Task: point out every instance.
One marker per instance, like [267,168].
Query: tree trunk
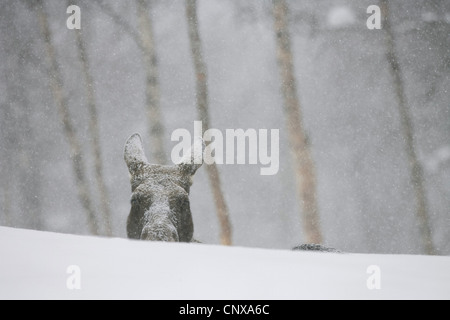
[21,162]
[417,173]
[154,117]
[6,207]
[300,148]
[8,154]
[30,180]
[95,134]
[145,41]
[202,105]
[5,184]
[56,85]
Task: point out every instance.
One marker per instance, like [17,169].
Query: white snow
[438,159]
[341,17]
[430,17]
[34,266]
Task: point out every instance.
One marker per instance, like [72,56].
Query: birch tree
[145,40]
[152,91]
[57,88]
[303,162]
[407,127]
[5,165]
[203,112]
[94,133]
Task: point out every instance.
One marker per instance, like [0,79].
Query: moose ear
[134,153]
[193,159]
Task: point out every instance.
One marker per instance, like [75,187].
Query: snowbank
[34,265]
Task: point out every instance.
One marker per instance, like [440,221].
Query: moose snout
[158,226]
[160,232]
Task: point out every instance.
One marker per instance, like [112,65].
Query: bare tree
[154,116]
[203,111]
[300,147]
[20,159]
[29,173]
[120,21]
[57,88]
[6,207]
[417,172]
[20,163]
[145,40]
[94,133]
[5,165]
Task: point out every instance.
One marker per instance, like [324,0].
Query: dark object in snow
[314,247]
[160,209]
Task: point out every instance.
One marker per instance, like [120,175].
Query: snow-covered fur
[160,209]
[315,247]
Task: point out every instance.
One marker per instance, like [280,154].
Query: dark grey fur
[315,248]
[160,209]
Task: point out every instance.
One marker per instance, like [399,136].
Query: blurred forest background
[375,107]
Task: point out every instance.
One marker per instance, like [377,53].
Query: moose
[160,208]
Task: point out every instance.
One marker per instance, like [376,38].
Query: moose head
[160,208]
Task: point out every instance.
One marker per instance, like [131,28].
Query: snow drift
[35,265]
